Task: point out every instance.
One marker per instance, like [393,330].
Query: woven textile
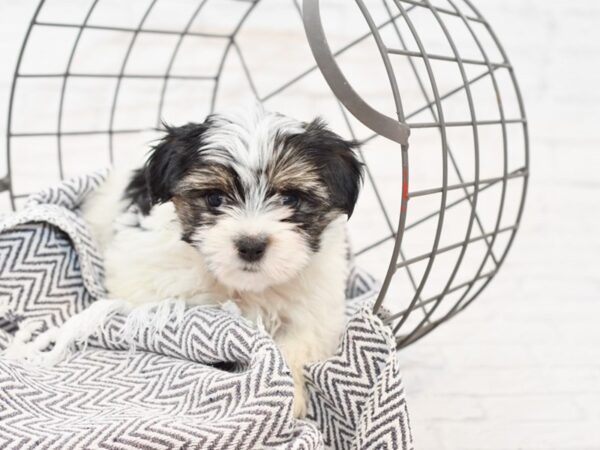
[214,381]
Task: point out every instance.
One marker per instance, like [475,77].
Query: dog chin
[287,255]
[244,280]
[253,278]
[277,268]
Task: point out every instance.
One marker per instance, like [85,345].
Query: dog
[248,207]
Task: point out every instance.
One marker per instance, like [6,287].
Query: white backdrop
[520,368]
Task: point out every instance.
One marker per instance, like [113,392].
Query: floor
[520,369]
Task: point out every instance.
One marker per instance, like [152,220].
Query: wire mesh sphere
[425,85]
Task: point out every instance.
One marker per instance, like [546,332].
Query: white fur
[244,139]
[76,330]
[305,313]
[296,293]
[287,255]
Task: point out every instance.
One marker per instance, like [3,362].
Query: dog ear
[170,159]
[338,164]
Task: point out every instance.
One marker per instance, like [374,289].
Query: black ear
[337,161]
[171,158]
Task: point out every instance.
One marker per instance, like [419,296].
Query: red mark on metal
[404,188]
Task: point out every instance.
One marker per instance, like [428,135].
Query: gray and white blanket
[216,381]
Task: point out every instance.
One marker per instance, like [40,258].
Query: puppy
[245,207]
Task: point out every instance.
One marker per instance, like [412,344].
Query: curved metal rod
[402,225]
[337,53]
[184,32]
[397,250]
[382,124]
[473,116]
[399,234]
[429,107]
[11,103]
[230,44]
[444,193]
[527,163]
[505,175]
[460,305]
[397,126]
[64,87]
[383,52]
[353,103]
[113,108]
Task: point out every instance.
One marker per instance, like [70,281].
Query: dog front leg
[300,345]
[78,328]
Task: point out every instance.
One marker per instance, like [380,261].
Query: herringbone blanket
[216,381]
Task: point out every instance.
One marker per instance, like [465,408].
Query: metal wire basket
[428,73]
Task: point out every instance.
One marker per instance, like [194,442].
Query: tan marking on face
[210,177]
[295,173]
[183,208]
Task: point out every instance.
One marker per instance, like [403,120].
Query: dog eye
[290,199]
[215,199]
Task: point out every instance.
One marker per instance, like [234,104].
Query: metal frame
[397,129]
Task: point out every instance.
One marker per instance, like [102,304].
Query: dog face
[254,192]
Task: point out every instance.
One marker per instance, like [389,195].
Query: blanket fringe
[151,318]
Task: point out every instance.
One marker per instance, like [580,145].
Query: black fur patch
[172,158]
[334,159]
[317,164]
[338,169]
[191,196]
[169,161]
[138,193]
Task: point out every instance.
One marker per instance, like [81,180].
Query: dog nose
[251,248]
